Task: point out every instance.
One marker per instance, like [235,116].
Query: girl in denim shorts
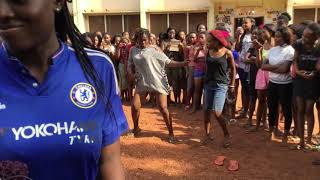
[218,61]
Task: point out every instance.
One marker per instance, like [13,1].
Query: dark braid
[140,32]
[65,27]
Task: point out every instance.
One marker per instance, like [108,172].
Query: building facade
[157,15]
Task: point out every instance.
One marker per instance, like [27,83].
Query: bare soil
[152,157]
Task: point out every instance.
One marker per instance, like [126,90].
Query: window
[96,23]
[178,21]
[318,15]
[131,23]
[158,23]
[114,24]
[301,15]
[195,19]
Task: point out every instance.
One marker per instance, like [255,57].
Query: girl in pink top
[189,56]
[199,51]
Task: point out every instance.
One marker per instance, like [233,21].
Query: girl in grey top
[146,65]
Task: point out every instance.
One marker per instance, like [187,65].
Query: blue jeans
[198,74]
[215,96]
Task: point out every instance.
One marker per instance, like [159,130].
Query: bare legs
[262,108]
[163,108]
[305,110]
[135,113]
[222,123]
[198,84]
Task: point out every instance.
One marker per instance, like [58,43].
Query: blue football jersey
[58,128]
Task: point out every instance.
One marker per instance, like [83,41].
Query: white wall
[82,8]
[176,5]
[109,6]
[306,2]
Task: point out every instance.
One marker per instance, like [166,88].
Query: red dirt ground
[151,157]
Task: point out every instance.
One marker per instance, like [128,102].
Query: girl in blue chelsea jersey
[60,113]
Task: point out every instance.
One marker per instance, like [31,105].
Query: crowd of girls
[277,66]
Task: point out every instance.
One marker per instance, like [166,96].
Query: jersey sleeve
[115,123]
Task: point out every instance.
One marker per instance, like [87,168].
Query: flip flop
[207,139]
[227,142]
[233,121]
[311,147]
[172,140]
[298,148]
[133,133]
[187,108]
[219,161]
[233,165]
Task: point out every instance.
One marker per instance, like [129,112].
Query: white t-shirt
[111,49]
[246,45]
[150,66]
[279,55]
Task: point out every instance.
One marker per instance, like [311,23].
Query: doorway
[239,21]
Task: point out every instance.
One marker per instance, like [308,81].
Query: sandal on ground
[312,147]
[316,139]
[219,161]
[312,143]
[133,133]
[266,129]
[277,133]
[297,147]
[243,116]
[137,132]
[233,121]
[187,108]
[207,139]
[252,130]
[233,165]
[172,140]
[227,142]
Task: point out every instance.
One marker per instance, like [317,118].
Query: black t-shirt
[307,58]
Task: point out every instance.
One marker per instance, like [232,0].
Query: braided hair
[65,28]
[140,32]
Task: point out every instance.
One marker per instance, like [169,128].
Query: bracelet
[231,86]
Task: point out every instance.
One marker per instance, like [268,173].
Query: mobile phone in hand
[308,73]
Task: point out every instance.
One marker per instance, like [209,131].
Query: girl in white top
[278,64]
[107,45]
[147,65]
[243,44]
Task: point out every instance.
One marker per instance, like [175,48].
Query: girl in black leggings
[278,64]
